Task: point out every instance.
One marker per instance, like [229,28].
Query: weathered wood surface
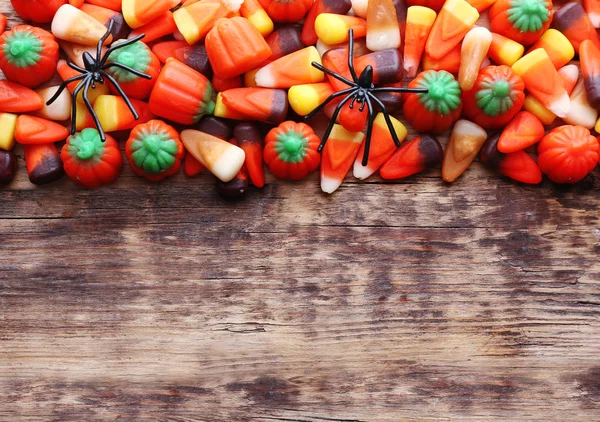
[404,301]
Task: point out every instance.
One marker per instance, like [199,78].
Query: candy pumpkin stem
[291,146]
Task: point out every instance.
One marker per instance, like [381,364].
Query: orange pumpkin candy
[286,10]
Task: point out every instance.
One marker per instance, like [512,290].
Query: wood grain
[408,301]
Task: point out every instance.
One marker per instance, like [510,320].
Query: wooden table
[405,301]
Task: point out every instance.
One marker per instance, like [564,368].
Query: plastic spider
[95,72]
[361,91]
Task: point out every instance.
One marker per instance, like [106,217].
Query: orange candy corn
[109,4]
[35,130]
[413,157]
[572,21]
[84,118]
[337,157]
[71,24]
[65,72]
[557,46]
[257,16]
[140,12]
[516,165]
[581,113]
[333,29]
[522,132]
[455,19]
[104,16]
[505,51]
[114,115]
[159,27]
[589,56]
[15,98]
[450,62]
[290,70]
[336,60]
[250,51]
[250,140]
[43,163]
[381,147]
[212,126]
[419,21]
[194,21]
[481,5]
[543,81]
[464,144]
[386,64]
[592,8]
[192,55]
[256,104]
[473,52]
[383,29]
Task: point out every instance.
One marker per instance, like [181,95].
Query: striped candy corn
[337,157]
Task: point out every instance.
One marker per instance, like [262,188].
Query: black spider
[95,72]
[361,91]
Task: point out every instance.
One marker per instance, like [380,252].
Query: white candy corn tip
[329,185]
[561,105]
[233,4]
[359,171]
[595,19]
[265,77]
[381,40]
[62,20]
[359,7]
[229,163]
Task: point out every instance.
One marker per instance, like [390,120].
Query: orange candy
[36,130]
[523,131]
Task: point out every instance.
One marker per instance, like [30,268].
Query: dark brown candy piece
[8,167]
[215,126]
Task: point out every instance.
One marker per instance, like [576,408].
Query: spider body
[95,72]
[361,90]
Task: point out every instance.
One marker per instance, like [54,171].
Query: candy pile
[224,85]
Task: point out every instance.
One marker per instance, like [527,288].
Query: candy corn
[290,70]
[581,113]
[36,130]
[75,51]
[516,165]
[415,156]
[114,115]
[65,72]
[305,98]
[592,8]
[197,19]
[543,81]
[522,132]
[104,16]
[337,157]
[464,144]
[381,147]
[387,65]
[339,7]
[141,12]
[589,55]
[109,4]
[257,104]
[72,24]
[221,158]
[473,52]
[250,140]
[213,126]
[43,163]
[383,30]
[181,94]
[251,48]
[336,60]
[285,40]
[455,19]
[15,98]
[254,12]
[572,21]
[192,55]
[505,51]
[419,21]
[159,27]
[450,62]
[84,118]
[557,46]
[481,5]
[237,187]
[8,124]
[333,29]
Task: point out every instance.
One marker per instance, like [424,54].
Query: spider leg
[334,117]
[365,159]
[120,45]
[123,95]
[75,67]
[351,54]
[93,112]
[386,116]
[392,89]
[81,85]
[127,68]
[102,40]
[327,101]
[332,73]
[62,87]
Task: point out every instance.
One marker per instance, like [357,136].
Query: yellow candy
[505,51]
[333,29]
[558,47]
[597,127]
[534,106]
[8,122]
[305,98]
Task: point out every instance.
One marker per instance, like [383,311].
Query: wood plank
[411,301]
